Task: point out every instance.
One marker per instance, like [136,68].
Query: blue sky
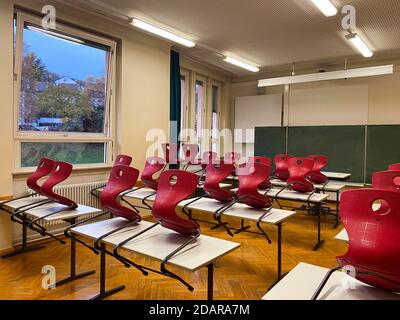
[64,58]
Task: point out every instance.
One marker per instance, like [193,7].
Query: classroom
[215,150]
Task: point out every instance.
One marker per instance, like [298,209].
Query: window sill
[78,169]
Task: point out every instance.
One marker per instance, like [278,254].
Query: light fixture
[56,35]
[360,45]
[326,7]
[241,64]
[161,32]
[323,76]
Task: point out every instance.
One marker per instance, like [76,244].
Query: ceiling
[269,33]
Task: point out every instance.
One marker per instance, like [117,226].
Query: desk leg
[242,228]
[337,211]
[319,242]
[24,248]
[210,289]
[279,250]
[73,276]
[103,293]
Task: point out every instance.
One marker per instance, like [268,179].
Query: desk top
[240,210]
[304,279]
[330,186]
[342,236]
[142,193]
[336,175]
[158,242]
[48,208]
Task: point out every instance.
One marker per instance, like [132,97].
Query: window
[199,107]
[64,106]
[184,98]
[215,117]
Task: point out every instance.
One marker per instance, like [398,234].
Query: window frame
[107,137]
[218,85]
[185,117]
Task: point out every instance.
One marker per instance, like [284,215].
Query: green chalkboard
[270,141]
[344,145]
[383,148]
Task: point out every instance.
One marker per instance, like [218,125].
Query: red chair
[315,176]
[170,153]
[298,170]
[152,166]
[386,180]
[174,187]
[44,168]
[394,167]
[374,238]
[209,157]
[214,176]
[266,161]
[123,159]
[190,152]
[122,178]
[281,166]
[232,158]
[61,172]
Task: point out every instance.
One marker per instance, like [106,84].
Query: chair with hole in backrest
[298,170]
[374,238]
[122,178]
[170,153]
[386,180]
[44,168]
[152,166]
[209,157]
[175,186]
[123,159]
[394,167]
[232,158]
[190,152]
[251,175]
[266,161]
[215,174]
[61,172]
[315,175]
[281,166]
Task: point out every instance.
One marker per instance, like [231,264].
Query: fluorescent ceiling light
[323,76]
[56,35]
[241,64]
[326,7]
[360,45]
[161,32]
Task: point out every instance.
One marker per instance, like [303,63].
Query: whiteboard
[331,105]
[257,111]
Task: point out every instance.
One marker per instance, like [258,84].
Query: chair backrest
[386,180]
[190,152]
[281,166]
[123,159]
[170,153]
[298,170]
[251,175]
[175,186]
[122,178]
[215,174]
[394,167]
[61,172]
[232,157]
[152,166]
[209,157]
[374,237]
[44,168]
[315,175]
[266,161]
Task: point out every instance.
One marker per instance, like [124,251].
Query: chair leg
[324,282]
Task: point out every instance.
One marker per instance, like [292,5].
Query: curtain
[175,100]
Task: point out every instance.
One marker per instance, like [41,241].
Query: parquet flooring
[243,274]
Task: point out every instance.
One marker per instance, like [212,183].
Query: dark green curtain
[175,100]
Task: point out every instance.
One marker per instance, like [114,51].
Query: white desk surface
[221,185]
[141,194]
[342,236]
[158,242]
[240,210]
[330,186]
[48,208]
[336,175]
[293,195]
[304,279]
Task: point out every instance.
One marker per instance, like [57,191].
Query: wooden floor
[244,274]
